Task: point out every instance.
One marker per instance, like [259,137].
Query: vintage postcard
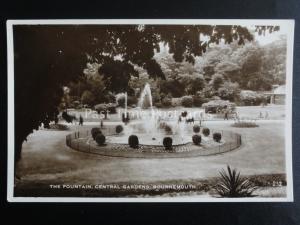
[150,110]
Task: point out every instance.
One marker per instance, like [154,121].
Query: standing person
[101,123]
[226,115]
[179,119]
[80,120]
[266,115]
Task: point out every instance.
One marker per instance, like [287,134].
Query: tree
[48,57]
[87,98]
[229,91]
[217,81]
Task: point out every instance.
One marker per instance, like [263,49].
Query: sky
[261,39]
[268,38]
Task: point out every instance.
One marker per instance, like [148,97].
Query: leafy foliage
[251,98]
[87,98]
[187,101]
[232,185]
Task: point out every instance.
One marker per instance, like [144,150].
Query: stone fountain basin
[153,135]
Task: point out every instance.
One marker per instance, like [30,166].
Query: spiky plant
[232,185]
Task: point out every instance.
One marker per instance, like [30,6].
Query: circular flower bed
[206,146]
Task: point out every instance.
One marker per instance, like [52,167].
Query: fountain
[149,127]
[145,100]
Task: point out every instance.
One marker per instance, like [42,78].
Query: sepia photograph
[150,110]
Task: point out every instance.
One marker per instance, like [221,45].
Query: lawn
[47,160]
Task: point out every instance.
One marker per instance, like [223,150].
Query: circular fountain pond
[152,135]
[151,129]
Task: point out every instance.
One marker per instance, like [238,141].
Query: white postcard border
[286,24]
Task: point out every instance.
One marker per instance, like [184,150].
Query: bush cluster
[132,100]
[166,102]
[248,97]
[120,99]
[187,101]
[198,100]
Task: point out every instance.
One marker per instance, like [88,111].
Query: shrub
[218,105]
[133,141]
[87,98]
[59,127]
[196,128]
[176,102]
[95,131]
[198,101]
[119,129]
[158,104]
[100,139]
[104,108]
[166,102]
[120,99]
[217,137]
[132,100]
[111,108]
[232,185]
[196,139]
[67,117]
[205,131]
[187,101]
[251,97]
[167,142]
